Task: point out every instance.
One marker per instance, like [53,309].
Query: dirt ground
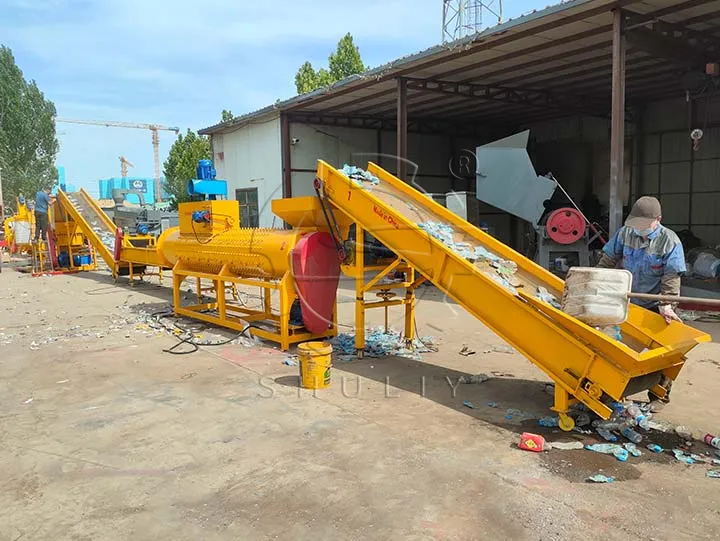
[105,436]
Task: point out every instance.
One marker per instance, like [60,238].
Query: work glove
[668,313]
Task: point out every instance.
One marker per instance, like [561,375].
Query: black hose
[188,340]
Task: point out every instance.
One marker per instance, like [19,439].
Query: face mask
[643,232]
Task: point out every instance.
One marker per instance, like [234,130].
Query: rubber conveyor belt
[585,364]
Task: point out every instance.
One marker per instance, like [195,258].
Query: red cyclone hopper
[316,269]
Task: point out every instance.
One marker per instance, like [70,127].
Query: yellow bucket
[315,364]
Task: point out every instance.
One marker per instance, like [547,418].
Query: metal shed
[633,77]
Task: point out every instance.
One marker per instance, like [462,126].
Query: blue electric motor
[205,170]
[206,185]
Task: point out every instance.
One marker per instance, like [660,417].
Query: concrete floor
[123,441]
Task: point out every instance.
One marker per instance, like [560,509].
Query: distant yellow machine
[19,228]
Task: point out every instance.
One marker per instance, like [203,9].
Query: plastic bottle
[621,454]
[605,448]
[612,424]
[582,419]
[655,448]
[606,434]
[632,449]
[630,434]
[632,411]
[713,441]
[618,407]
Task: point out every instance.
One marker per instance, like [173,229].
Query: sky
[181,62]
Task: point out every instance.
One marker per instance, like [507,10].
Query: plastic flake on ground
[599,478]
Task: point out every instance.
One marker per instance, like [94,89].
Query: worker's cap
[644,212]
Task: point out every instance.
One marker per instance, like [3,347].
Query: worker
[43,200]
[654,255]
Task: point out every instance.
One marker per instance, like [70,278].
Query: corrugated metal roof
[558,56]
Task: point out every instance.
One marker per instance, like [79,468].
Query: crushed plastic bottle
[612,424]
[605,448]
[600,478]
[630,434]
[654,447]
[643,421]
[582,419]
[549,422]
[618,407]
[632,449]
[680,456]
[609,449]
[606,434]
[613,331]
[565,445]
[632,411]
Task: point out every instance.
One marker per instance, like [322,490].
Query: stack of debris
[379,343]
[631,421]
[106,237]
[360,177]
[500,270]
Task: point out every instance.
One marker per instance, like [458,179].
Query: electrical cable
[189,338]
[192,224]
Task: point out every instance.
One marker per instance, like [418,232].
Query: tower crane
[154,128]
[124,164]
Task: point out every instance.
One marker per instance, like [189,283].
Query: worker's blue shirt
[647,259]
[42,202]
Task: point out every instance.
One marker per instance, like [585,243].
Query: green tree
[343,62]
[305,78]
[28,144]
[346,59]
[180,165]
[227,115]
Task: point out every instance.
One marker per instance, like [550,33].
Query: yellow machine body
[251,253]
[225,216]
[221,251]
[585,364]
[19,229]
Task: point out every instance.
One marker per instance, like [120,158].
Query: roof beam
[556,71]
[533,97]
[482,43]
[662,45]
[530,50]
[421,125]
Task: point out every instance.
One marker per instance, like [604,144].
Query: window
[247,198]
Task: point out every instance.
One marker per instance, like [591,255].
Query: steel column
[286,157]
[402,129]
[617,130]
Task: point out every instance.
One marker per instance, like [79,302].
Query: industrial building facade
[611,92]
